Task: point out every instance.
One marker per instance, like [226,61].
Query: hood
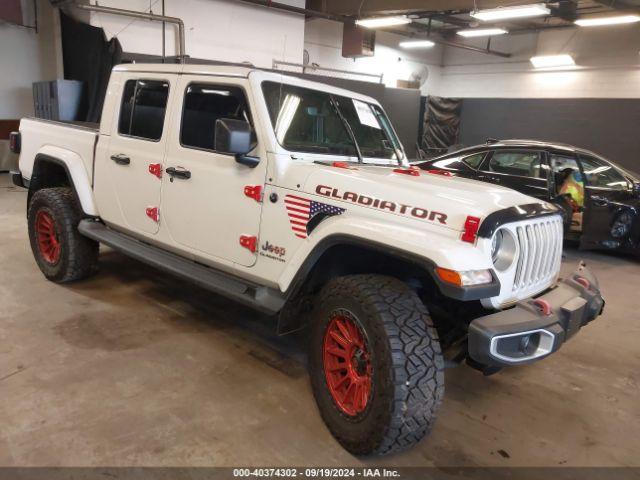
[437,199]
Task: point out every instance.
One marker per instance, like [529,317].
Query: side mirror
[234,137]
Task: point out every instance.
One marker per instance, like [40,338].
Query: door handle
[121,159]
[600,201]
[489,178]
[175,173]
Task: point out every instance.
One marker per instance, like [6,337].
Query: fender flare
[76,172]
[459,293]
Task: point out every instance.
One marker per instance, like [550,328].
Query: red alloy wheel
[47,239]
[347,365]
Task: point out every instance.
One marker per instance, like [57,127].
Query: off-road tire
[407,365]
[78,255]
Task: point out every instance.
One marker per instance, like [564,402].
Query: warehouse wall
[26,57]
[607,66]
[606,126]
[215,30]
[594,105]
[323,42]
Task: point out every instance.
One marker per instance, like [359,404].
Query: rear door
[127,191]
[523,170]
[607,192]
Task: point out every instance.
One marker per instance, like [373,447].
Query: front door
[607,192]
[129,193]
[206,202]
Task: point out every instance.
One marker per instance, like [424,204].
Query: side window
[204,104]
[144,105]
[474,161]
[601,174]
[524,164]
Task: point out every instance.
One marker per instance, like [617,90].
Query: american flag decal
[302,210]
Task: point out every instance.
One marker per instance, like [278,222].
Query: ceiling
[445,17]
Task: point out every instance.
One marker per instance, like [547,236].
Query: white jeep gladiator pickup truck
[297,199]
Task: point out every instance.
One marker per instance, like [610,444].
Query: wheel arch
[328,259]
[339,255]
[62,169]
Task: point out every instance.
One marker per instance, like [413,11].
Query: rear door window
[521,163]
[143,108]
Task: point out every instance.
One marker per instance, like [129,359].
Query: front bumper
[537,327]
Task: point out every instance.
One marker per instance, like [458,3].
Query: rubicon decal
[302,210]
[409,210]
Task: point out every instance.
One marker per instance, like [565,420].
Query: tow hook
[544,306]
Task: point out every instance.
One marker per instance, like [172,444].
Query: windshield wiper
[347,127]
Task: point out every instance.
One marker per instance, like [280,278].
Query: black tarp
[440,124]
[89,57]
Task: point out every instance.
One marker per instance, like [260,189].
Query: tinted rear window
[144,104]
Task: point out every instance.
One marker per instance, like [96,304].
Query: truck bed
[45,136]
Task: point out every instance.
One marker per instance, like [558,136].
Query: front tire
[61,252]
[376,366]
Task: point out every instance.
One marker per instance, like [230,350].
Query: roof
[240,71]
[194,69]
[519,143]
[535,143]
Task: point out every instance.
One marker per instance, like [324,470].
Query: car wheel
[622,225]
[376,366]
[61,252]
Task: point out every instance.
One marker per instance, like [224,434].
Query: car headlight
[503,249]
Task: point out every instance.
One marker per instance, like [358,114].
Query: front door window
[601,174]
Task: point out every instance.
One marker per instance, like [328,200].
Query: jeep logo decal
[417,212]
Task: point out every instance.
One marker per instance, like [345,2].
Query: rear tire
[61,252]
[394,363]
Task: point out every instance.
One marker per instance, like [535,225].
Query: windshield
[306,120]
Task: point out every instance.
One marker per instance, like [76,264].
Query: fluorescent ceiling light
[599,21]
[382,22]
[417,44]
[535,10]
[481,32]
[549,61]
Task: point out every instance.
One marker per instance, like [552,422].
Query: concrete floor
[133,367]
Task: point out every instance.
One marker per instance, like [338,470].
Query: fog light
[520,347]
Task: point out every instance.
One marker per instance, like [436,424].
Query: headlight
[503,249]
[496,245]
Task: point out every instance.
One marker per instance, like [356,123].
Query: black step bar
[265,299]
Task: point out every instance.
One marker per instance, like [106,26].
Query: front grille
[540,252]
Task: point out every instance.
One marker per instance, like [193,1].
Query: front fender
[434,246]
[76,171]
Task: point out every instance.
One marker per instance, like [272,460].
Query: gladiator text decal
[417,212]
